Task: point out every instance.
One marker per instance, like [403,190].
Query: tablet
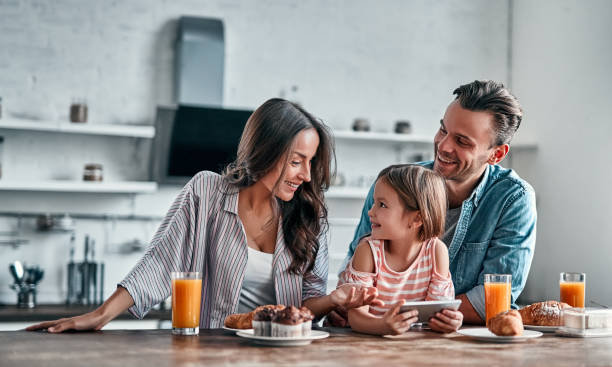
[427,309]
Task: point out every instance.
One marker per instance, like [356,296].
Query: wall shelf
[382,137]
[136,131]
[127,187]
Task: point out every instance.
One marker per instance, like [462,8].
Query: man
[491,218]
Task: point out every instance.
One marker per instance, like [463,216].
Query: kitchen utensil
[19,272]
[13,271]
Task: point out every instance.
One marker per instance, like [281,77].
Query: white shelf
[382,137]
[87,128]
[127,187]
[346,192]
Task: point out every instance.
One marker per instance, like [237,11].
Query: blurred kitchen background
[132,62]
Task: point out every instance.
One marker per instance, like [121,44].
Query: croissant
[543,313]
[239,321]
[507,324]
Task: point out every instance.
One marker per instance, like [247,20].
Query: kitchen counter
[342,348]
[52,312]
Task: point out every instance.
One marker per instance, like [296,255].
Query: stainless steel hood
[199,68]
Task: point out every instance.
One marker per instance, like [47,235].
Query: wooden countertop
[52,312]
[343,348]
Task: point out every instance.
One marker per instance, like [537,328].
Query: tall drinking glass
[498,290]
[186,298]
[572,288]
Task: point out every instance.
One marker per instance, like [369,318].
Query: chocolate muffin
[288,323]
[307,317]
[262,319]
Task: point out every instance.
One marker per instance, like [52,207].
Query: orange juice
[572,293]
[497,298]
[186,298]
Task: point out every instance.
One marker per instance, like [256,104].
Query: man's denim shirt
[495,234]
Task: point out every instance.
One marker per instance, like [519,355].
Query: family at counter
[257,233]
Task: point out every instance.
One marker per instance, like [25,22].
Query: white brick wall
[384,60]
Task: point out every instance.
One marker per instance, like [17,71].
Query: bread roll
[543,313]
[507,324]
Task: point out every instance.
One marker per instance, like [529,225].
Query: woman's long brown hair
[267,139]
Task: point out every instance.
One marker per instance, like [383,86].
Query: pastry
[262,319]
[507,323]
[245,320]
[239,321]
[288,323]
[543,313]
[307,317]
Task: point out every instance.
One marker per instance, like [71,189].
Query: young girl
[403,258]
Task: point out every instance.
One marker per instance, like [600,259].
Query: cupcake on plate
[307,317]
[288,323]
[262,319]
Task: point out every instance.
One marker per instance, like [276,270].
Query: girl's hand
[349,296]
[446,321]
[89,321]
[399,323]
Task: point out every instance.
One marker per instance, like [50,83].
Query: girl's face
[389,216]
[297,170]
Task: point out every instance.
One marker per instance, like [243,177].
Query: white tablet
[427,309]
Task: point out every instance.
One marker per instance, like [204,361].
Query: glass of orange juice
[571,288]
[186,298]
[498,289]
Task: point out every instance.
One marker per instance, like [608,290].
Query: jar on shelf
[92,172]
[361,124]
[78,110]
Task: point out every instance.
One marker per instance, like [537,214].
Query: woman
[257,232]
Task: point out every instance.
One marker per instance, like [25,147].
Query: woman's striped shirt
[203,232]
[420,282]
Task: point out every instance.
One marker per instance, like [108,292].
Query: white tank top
[258,284]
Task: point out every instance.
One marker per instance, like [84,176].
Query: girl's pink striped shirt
[420,282]
[203,232]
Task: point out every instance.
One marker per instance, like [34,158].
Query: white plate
[544,329]
[483,334]
[283,341]
[235,330]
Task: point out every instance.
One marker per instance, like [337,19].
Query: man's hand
[446,321]
[470,316]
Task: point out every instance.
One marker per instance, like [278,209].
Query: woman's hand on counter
[117,303]
[90,321]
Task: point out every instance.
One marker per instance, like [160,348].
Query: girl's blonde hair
[420,189]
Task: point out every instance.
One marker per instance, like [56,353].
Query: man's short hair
[493,97]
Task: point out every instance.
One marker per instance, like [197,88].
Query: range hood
[200,58]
